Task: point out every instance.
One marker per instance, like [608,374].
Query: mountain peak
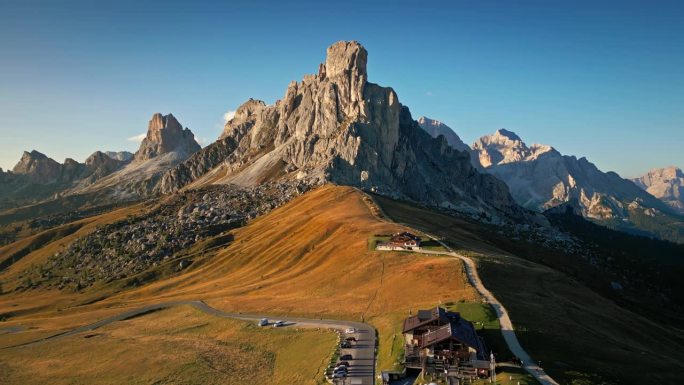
[27,159]
[666,184]
[38,167]
[344,58]
[501,147]
[508,134]
[164,135]
[424,120]
[159,122]
[336,127]
[436,128]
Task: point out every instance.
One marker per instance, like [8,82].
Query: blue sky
[601,79]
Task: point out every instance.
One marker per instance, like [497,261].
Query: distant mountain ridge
[666,184]
[540,178]
[113,175]
[37,177]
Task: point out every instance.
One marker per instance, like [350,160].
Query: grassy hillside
[309,257]
[580,336]
[34,250]
[174,346]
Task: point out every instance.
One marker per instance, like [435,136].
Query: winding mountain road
[504,320]
[362,368]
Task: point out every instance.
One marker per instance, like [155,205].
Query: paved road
[362,364]
[506,325]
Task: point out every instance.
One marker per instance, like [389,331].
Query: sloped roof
[426,316]
[404,237]
[452,326]
[458,329]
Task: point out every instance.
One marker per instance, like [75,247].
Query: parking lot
[358,350]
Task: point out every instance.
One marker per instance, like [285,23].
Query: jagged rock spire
[165,134]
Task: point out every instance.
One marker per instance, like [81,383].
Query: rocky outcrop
[539,178]
[38,168]
[337,127]
[165,135]
[123,156]
[99,165]
[506,147]
[166,144]
[436,128]
[666,184]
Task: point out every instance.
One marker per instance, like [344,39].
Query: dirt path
[507,329]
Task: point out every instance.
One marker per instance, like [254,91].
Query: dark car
[342,363]
[346,357]
[345,344]
[350,339]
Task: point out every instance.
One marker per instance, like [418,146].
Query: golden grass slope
[308,258]
[174,346]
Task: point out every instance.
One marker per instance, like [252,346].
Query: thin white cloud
[201,141]
[228,116]
[137,138]
[428,93]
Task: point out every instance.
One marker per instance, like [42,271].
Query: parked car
[350,339]
[339,375]
[346,357]
[342,363]
[350,330]
[263,322]
[345,345]
[278,324]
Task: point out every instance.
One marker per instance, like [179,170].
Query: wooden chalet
[440,341]
[404,240]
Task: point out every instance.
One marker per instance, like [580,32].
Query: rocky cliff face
[38,168]
[436,128]
[166,144]
[337,127]
[666,184]
[540,178]
[165,135]
[99,165]
[506,147]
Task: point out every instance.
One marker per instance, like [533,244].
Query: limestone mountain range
[540,177]
[115,174]
[666,184]
[335,126]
